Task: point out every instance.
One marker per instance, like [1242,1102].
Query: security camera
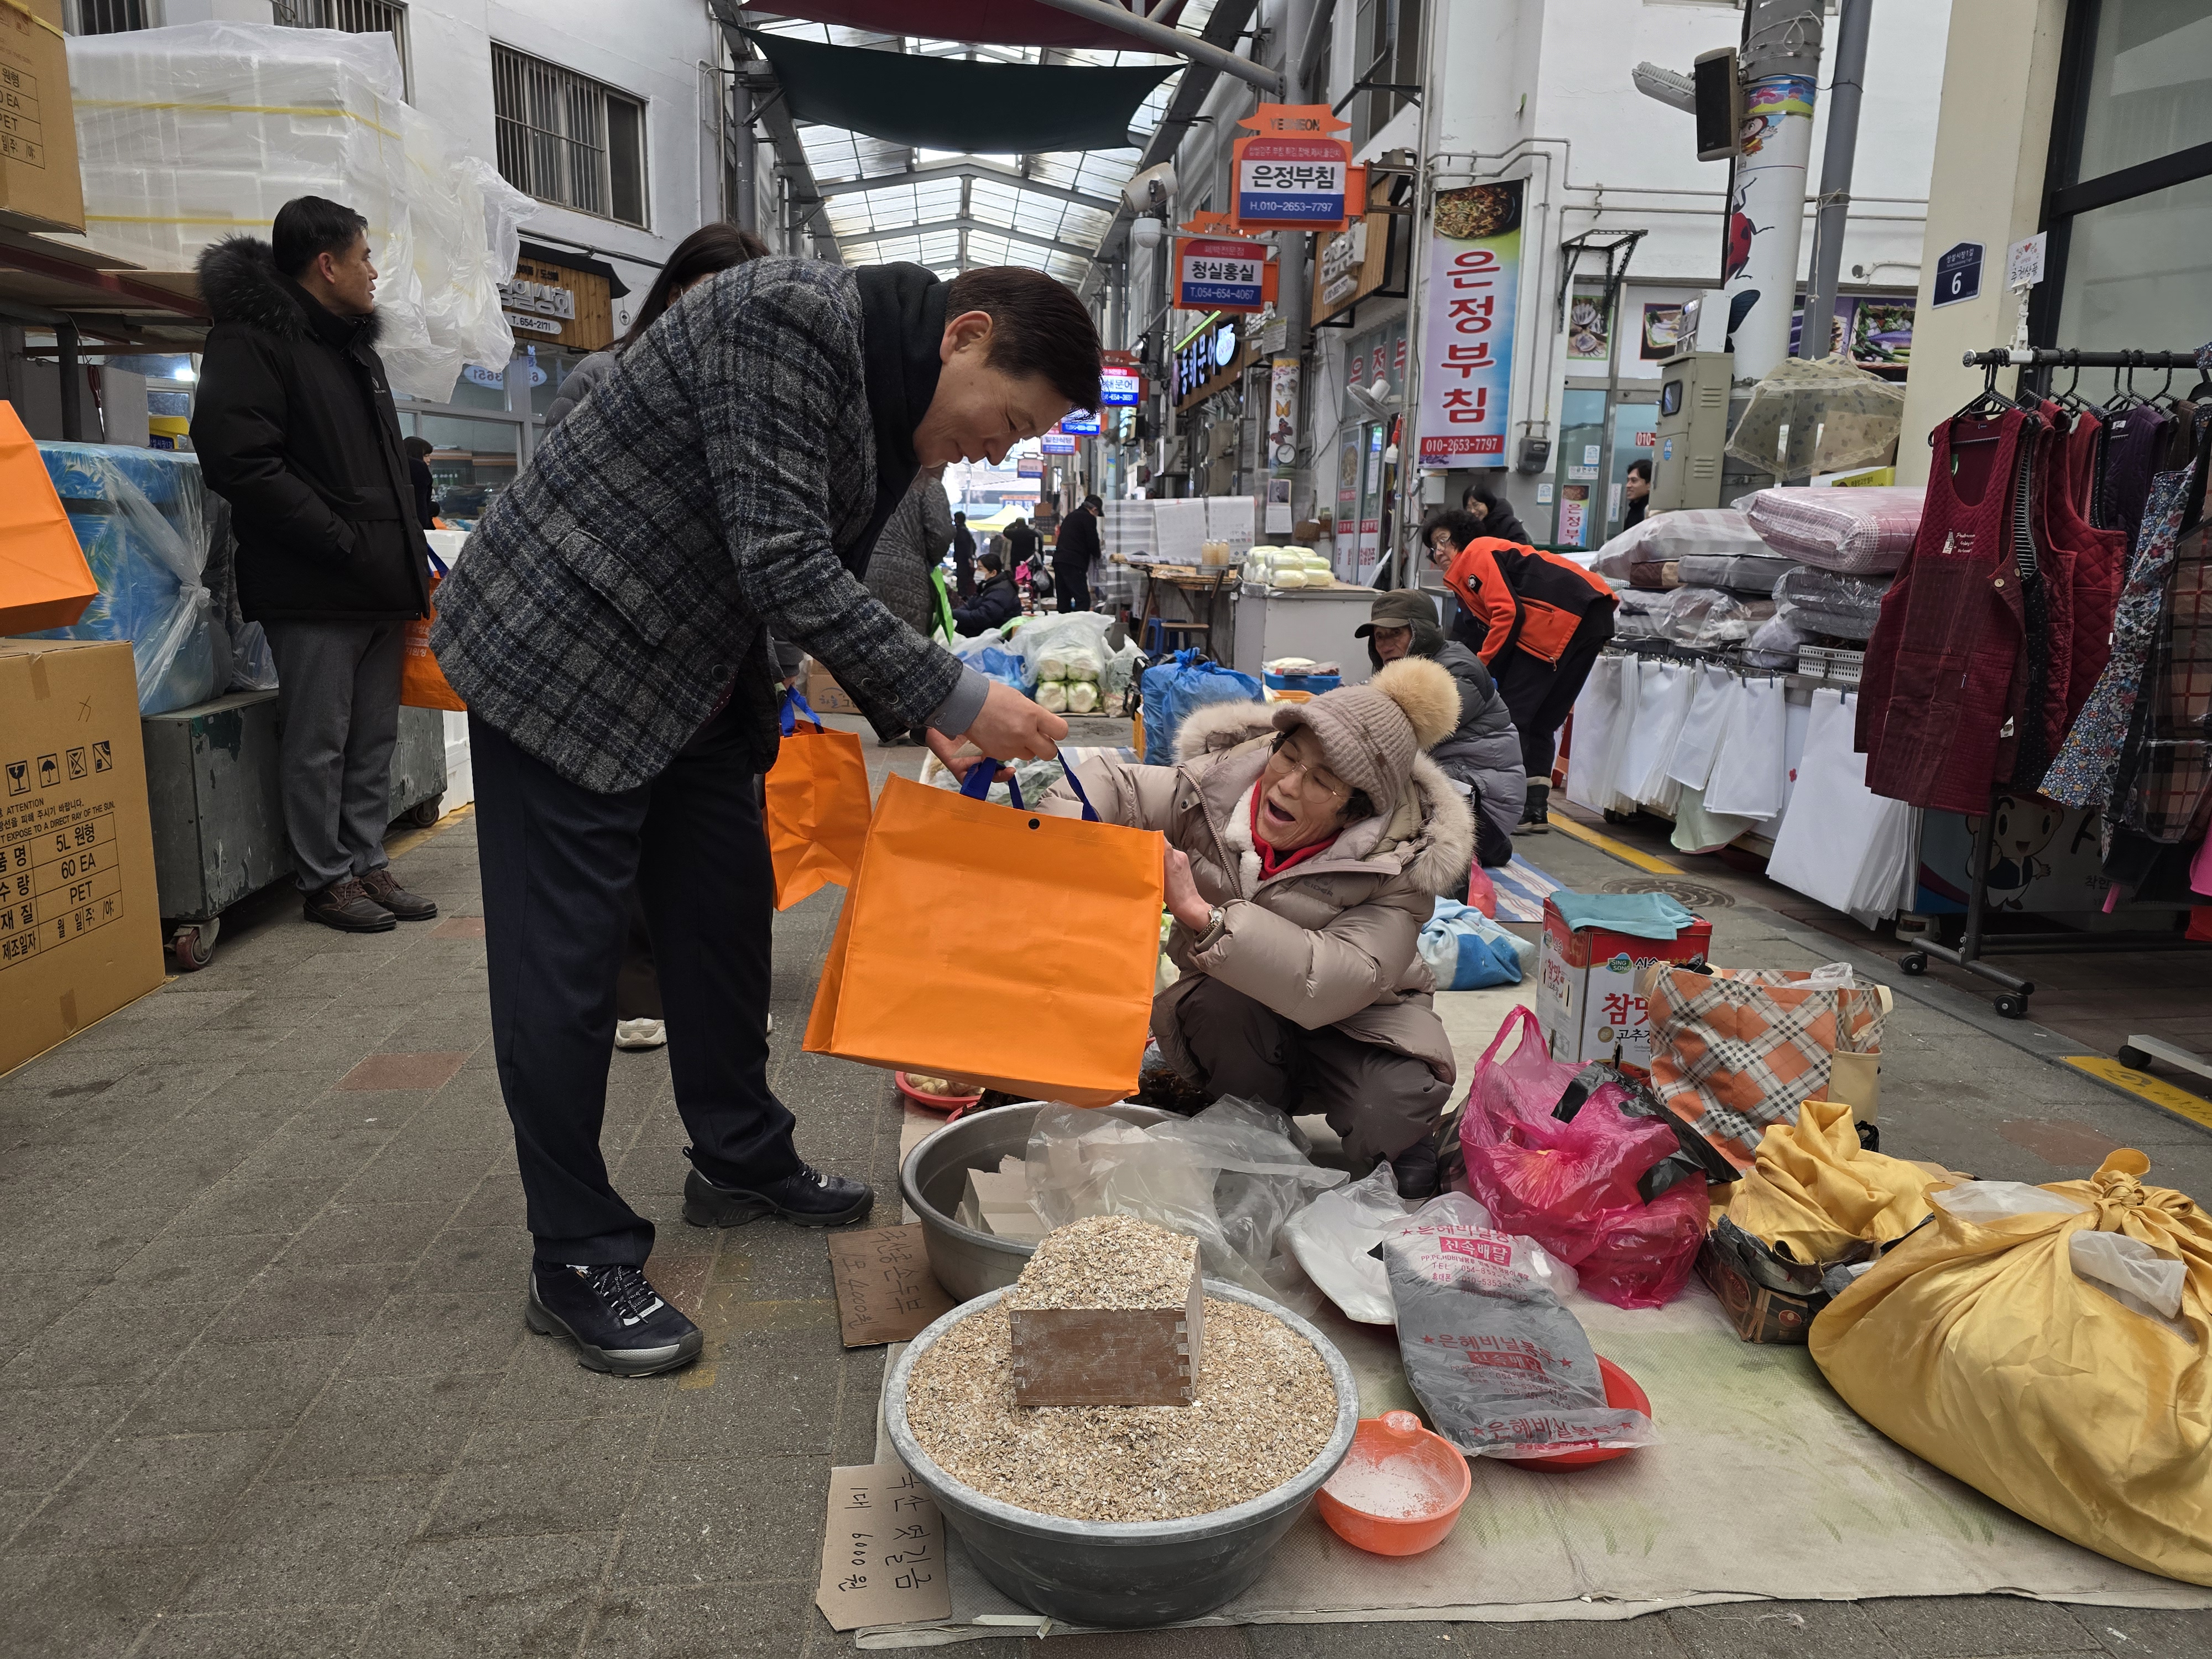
[1145,232]
[1151,188]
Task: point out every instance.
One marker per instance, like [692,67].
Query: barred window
[566,139]
[350,17]
[109,16]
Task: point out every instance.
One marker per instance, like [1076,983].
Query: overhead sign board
[1350,264]
[1083,422]
[1120,385]
[1292,173]
[1029,466]
[1467,362]
[1215,275]
[1056,443]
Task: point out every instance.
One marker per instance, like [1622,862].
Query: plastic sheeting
[191,134]
[1824,602]
[139,516]
[1708,531]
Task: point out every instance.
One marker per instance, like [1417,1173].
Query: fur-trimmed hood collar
[1428,834]
[240,283]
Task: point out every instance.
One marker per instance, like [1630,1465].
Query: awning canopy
[988,22]
[950,103]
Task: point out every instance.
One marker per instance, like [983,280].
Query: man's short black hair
[1038,328]
[990,561]
[960,518]
[1642,469]
[1462,526]
[1093,500]
[419,447]
[310,225]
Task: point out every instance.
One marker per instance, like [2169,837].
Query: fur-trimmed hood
[240,283]
[1428,834]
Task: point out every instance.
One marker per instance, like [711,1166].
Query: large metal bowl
[935,1174]
[1125,1574]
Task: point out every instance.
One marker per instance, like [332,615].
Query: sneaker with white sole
[617,1320]
[640,1033]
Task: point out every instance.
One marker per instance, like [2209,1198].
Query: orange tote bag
[421,682]
[43,579]
[995,944]
[817,805]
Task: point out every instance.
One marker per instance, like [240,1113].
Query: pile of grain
[1107,1261]
[1266,1407]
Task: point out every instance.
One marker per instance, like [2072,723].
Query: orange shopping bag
[421,682]
[43,579]
[817,805]
[999,944]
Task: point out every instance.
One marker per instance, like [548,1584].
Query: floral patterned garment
[2082,775]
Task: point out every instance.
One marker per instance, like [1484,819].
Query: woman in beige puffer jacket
[1307,843]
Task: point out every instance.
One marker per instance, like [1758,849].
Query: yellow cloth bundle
[1812,1190]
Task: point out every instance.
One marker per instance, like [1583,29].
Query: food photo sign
[1467,364]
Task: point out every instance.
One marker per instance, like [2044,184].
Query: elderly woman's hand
[1184,902]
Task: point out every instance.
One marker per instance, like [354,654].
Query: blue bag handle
[794,704]
[976,785]
[437,564]
[1089,812]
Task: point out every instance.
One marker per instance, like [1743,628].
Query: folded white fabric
[1692,762]
[1601,721]
[1749,776]
[1840,842]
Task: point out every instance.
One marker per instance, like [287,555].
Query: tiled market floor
[265,1388]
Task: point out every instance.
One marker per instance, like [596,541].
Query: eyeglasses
[1287,762]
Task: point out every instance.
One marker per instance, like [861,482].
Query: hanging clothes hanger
[2124,397]
[1988,404]
[2163,397]
[2071,399]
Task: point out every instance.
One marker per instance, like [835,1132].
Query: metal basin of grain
[935,1173]
[1123,1574]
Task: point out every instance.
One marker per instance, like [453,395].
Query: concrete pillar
[1992,139]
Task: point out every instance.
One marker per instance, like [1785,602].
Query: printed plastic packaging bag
[1857,531]
[139,515]
[1173,689]
[2003,1343]
[1466,950]
[1574,1186]
[1228,1177]
[1503,1368]
[1704,617]
[1824,602]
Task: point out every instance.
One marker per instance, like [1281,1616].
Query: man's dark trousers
[1073,583]
[558,861]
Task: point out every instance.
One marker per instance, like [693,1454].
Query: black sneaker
[1536,817]
[615,1317]
[1416,1170]
[805,1198]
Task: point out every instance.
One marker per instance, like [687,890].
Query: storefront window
[1579,478]
[2136,273]
[2150,84]
[1634,439]
[470,461]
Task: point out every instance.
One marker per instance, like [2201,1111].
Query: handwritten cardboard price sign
[883,1551]
[885,1291]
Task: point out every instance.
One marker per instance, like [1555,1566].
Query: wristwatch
[1214,920]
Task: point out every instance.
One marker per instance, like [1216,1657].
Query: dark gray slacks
[337,715]
[1379,1100]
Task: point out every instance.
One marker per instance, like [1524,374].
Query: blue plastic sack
[139,516]
[1174,689]
[1467,951]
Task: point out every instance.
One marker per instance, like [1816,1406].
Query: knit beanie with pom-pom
[1370,734]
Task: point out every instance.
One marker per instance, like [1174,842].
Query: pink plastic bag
[1480,891]
[1572,1186]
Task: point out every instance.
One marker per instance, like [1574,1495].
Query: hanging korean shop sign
[1121,385]
[1292,173]
[1213,273]
[1467,348]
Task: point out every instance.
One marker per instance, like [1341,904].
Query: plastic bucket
[1124,1574]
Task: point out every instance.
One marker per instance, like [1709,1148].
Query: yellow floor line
[1620,849]
[407,840]
[2156,1091]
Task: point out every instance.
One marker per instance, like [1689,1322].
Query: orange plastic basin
[1621,1390]
[955,1104]
[1398,1488]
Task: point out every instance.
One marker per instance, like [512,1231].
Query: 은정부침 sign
[1212,275]
[1467,363]
[1291,181]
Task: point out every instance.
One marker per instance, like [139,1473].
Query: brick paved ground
[265,1388]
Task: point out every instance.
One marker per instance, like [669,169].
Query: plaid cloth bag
[1738,1050]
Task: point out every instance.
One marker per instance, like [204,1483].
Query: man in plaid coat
[608,627]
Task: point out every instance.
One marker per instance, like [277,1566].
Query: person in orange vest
[1536,620]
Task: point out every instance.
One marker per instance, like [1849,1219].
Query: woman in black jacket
[1496,514]
[997,602]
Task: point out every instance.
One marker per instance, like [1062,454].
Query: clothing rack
[1976,945]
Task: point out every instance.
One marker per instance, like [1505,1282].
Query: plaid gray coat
[699,497]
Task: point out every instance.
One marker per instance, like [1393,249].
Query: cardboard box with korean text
[80,928]
[39,186]
[825,695]
[1586,997]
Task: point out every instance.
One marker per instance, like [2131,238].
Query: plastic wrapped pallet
[139,516]
[242,117]
[1824,602]
[1857,531]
